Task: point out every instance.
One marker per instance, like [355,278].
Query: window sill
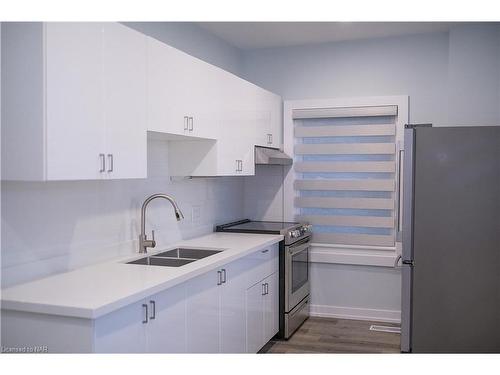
[361,256]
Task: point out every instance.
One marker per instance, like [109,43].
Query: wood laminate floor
[328,335]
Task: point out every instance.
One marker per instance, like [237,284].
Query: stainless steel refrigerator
[451,240]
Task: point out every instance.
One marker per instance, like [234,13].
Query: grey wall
[51,227]
[473,75]
[452,78]
[195,41]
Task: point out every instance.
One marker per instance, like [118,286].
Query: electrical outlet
[196,214]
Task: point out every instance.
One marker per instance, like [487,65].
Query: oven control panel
[300,231]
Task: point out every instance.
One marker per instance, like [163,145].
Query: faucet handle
[153,242]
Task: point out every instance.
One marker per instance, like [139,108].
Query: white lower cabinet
[122,331]
[166,324]
[225,310]
[153,325]
[202,313]
[215,310]
[232,308]
[262,312]
[271,307]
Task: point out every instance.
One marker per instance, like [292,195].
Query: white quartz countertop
[96,290]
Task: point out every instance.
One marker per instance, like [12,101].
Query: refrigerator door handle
[399,197]
[408,262]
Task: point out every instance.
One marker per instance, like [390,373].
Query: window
[346,174]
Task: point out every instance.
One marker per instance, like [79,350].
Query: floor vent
[385,329]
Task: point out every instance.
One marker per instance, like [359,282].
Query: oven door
[296,273]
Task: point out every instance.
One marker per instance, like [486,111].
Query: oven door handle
[292,250]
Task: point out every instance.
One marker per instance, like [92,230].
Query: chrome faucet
[144,243]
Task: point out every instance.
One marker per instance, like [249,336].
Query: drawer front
[262,263]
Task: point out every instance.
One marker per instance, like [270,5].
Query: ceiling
[252,35]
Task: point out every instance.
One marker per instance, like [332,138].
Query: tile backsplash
[52,227]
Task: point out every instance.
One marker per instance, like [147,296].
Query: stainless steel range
[294,267]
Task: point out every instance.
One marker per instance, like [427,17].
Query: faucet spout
[144,243]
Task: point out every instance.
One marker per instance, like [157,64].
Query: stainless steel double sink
[175,257]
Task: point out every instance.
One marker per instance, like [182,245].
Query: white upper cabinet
[182,95]
[189,97]
[125,78]
[269,118]
[89,81]
[74,101]
[79,98]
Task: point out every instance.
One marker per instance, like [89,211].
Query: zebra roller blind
[346,174]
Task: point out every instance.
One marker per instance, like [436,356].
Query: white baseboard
[356,313]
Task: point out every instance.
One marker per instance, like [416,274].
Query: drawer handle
[265,251]
[219,277]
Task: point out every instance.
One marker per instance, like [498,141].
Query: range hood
[271,156]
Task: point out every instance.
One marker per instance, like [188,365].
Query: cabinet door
[166,329]
[168,89]
[255,317]
[271,301]
[122,331]
[269,118]
[233,315]
[205,98]
[276,120]
[74,100]
[202,314]
[235,148]
[124,60]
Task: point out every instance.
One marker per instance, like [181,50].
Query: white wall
[51,227]
[452,79]
[263,193]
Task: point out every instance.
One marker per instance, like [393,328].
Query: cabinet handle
[263,289]
[223,281]
[103,163]
[110,158]
[267,288]
[265,251]
[145,308]
[219,277]
[186,123]
[191,127]
[241,165]
[270,139]
[237,165]
[153,310]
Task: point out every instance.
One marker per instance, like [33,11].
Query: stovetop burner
[292,231]
[268,226]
